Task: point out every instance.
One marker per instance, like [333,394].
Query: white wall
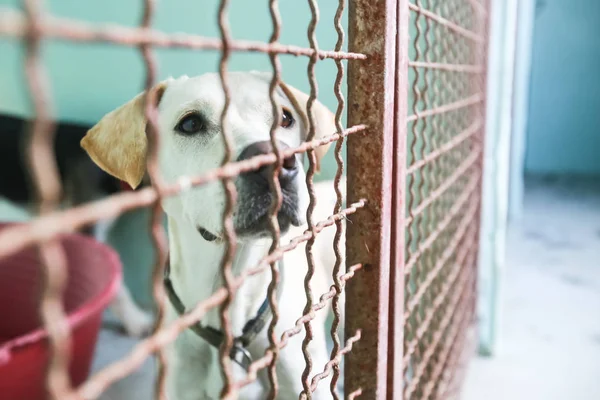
[526,19]
[496,169]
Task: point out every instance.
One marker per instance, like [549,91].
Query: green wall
[89,80]
[564,121]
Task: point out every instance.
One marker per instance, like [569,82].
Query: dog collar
[215,337]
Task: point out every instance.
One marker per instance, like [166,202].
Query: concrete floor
[549,335]
[113,345]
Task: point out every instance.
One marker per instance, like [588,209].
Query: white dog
[189,112]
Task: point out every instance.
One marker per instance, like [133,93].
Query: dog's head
[189,124]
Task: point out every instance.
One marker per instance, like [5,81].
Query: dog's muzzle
[255,195]
[262,175]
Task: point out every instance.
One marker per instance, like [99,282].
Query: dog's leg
[291,365]
[137,322]
[320,357]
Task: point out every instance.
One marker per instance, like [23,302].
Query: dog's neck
[196,272]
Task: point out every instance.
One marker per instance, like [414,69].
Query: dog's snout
[289,163]
[289,168]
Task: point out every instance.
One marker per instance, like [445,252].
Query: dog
[82,180]
[188,124]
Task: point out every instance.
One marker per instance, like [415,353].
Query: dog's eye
[190,124]
[287,120]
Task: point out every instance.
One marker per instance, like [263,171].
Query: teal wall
[564,121]
[89,80]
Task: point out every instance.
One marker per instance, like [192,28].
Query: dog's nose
[288,171]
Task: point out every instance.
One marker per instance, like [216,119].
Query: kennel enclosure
[416,76]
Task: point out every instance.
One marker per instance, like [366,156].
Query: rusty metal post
[396,331]
[371,95]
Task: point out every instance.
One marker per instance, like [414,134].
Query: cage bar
[372,31]
[415,177]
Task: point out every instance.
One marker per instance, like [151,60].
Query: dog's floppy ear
[118,143]
[324,119]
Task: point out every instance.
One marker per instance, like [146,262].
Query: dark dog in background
[82,181]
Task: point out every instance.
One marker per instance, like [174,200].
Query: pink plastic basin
[94,276]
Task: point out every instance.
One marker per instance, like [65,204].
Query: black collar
[215,337]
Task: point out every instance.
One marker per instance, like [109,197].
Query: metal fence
[443,188]
[416,97]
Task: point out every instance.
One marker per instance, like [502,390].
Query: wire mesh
[445,124]
[32,26]
[443,176]
[276,188]
[46,182]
